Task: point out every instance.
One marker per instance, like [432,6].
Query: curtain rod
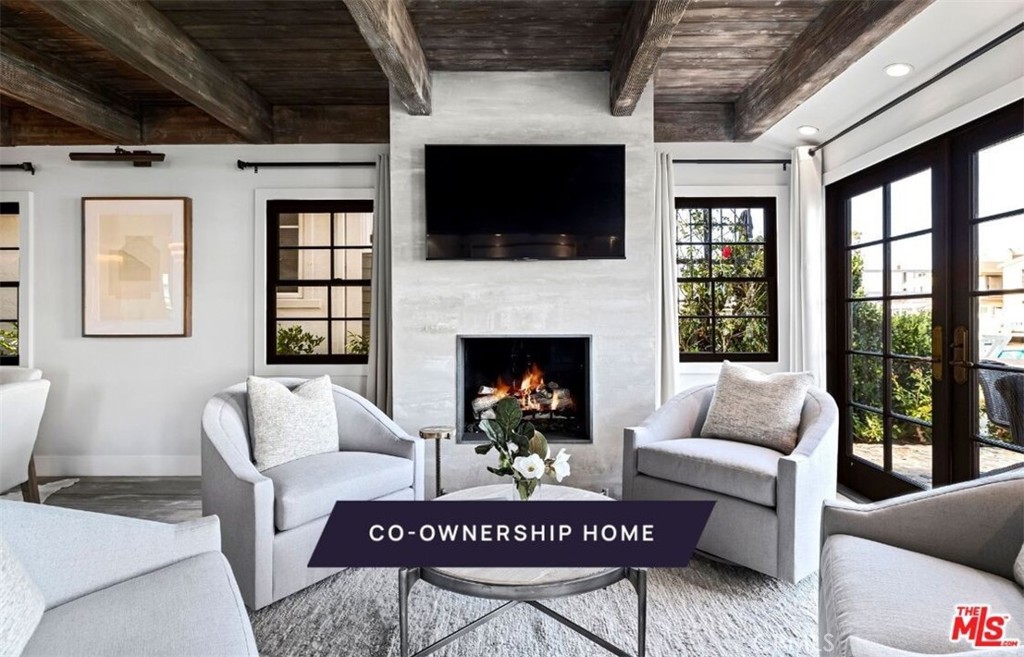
[24,166]
[255,166]
[960,63]
[784,163]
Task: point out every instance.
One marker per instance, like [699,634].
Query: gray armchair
[117,586]
[272,520]
[767,504]
[893,572]
[23,394]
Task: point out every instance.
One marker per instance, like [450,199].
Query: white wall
[131,406]
[614,301]
[699,180]
[984,85]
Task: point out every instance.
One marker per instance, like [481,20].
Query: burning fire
[535,395]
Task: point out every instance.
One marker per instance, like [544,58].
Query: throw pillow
[21,603]
[291,424]
[1018,567]
[756,408]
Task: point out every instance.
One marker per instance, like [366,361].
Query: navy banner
[516,534]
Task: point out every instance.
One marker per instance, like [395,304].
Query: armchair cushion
[307,488]
[903,599]
[740,470]
[291,424]
[188,608]
[756,408]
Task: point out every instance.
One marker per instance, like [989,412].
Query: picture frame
[137,267]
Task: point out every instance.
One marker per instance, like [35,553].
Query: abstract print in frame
[137,267]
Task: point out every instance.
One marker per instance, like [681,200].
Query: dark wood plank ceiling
[309,62]
[296,52]
[519,35]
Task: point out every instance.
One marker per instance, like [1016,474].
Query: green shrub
[293,340]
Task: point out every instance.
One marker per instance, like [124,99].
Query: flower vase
[524,489]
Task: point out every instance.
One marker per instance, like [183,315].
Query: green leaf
[492,430]
[539,445]
[508,415]
[501,472]
[483,449]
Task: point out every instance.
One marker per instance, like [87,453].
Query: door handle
[937,352]
[961,362]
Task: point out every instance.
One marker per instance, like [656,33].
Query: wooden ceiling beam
[645,36]
[39,82]
[387,28]
[141,36]
[22,125]
[840,35]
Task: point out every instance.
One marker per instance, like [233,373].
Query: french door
[926,311]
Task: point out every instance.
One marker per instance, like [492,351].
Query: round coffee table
[522,585]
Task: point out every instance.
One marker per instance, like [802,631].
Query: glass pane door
[888,341]
[997,309]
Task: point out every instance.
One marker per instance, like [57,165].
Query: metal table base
[517,595]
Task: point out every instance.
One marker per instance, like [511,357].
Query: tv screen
[525,202]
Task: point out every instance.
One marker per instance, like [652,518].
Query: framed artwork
[137,267]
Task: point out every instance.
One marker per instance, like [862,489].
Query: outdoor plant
[9,341]
[357,343]
[293,340]
[523,452]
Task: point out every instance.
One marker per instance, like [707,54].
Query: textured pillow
[21,603]
[756,408]
[1018,567]
[291,424]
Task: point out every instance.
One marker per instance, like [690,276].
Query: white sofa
[272,520]
[117,586]
[767,511]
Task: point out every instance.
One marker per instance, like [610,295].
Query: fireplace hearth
[548,375]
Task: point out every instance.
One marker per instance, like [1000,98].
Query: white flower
[530,467]
[561,465]
[513,448]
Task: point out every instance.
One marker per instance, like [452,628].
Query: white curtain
[668,319]
[807,265]
[378,382]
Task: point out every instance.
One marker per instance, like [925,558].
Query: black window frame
[13,207]
[275,209]
[769,204]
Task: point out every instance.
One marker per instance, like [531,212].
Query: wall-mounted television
[525,202]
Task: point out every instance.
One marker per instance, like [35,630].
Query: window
[10,284]
[319,264]
[726,270]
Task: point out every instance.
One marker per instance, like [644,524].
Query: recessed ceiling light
[807,130]
[898,70]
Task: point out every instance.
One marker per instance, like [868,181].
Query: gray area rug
[707,610]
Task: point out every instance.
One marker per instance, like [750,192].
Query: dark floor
[167,499]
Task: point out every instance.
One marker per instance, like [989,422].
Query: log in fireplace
[548,375]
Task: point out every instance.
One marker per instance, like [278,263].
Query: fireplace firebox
[548,375]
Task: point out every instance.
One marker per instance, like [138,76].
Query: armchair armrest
[364,427]
[977,523]
[806,480]
[235,491]
[72,553]
[680,417]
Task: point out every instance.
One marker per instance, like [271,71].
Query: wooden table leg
[30,489]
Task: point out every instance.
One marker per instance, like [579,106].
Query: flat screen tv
[525,202]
